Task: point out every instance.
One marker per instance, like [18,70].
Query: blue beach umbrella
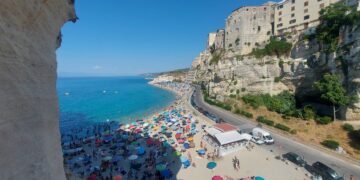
[259,178]
[140,150]
[183,159]
[186,145]
[165,173]
[201,151]
[211,165]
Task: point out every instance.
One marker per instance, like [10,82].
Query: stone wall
[248,27]
[29,116]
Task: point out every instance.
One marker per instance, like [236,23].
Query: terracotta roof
[225,127]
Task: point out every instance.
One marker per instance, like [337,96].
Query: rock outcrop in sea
[29,117]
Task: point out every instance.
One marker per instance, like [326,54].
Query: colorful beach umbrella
[140,150]
[211,165]
[107,158]
[201,152]
[132,157]
[217,178]
[177,153]
[160,167]
[165,173]
[259,178]
[118,177]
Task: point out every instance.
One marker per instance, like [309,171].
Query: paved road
[282,144]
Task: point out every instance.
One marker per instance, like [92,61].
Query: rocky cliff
[29,118]
[234,74]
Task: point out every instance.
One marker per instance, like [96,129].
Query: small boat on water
[67,93]
[104,92]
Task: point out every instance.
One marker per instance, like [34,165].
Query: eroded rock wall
[29,118]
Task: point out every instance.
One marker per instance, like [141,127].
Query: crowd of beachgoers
[151,148]
[167,145]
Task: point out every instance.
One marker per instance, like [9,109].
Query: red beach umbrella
[117,177]
[178,136]
[92,177]
[149,141]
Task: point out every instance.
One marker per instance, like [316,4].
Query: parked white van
[259,133]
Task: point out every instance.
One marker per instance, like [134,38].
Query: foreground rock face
[29,118]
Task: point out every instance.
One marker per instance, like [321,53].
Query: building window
[293,1]
[293,15]
[293,8]
[280,7]
[264,8]
[306,17]
[280,13]
[306,10]
[322,5]
[280,19]
[306,25]
[280,25]
[306,3]
[292,21]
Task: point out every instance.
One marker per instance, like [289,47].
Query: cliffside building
[211,40]
[298,15]
[249,27]
[220,39]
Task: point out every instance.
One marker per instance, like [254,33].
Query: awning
[229,137]
[246,136]
[212,131]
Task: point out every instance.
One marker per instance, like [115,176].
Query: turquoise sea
[86,100]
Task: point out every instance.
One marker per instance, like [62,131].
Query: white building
[355,3]
[298,15]
[211,40]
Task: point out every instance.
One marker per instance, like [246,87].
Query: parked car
[326,172]
[257,140]
[294,158]
[263,135]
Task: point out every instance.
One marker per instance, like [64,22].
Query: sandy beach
[166,146]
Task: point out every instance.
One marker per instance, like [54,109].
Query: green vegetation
[274,47]
[244,113]
[283,103]
[264,120]
[217,103]
[308,113]
[332,18]
[331,144]
[355,135]
[323,120]
[216,57]
[277,79]
[347,127]
[282,127]
[333,92]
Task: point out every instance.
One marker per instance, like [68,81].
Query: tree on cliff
[333,92]
[332,18]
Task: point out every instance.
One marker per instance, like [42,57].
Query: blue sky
[130,37]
